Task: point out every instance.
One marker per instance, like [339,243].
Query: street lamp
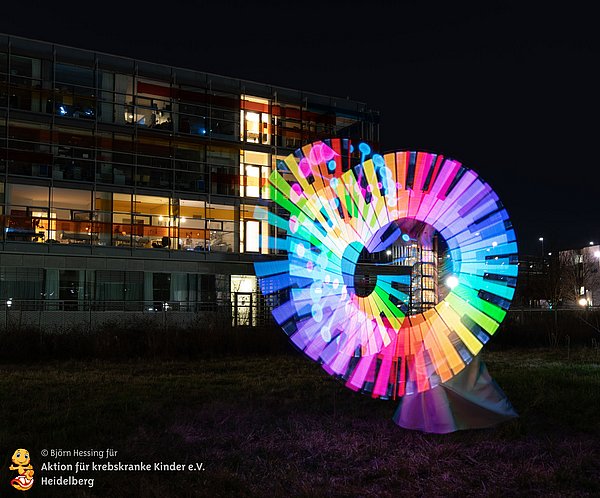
[541,239]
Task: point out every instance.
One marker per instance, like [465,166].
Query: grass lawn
[280,426]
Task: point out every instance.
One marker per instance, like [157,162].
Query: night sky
[510,91]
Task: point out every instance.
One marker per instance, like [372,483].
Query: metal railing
[245,310]
[63,314]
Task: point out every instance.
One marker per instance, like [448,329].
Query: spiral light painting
[341,202]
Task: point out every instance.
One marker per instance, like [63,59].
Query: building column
[148,289]
[51,287]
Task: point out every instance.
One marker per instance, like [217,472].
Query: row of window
[143,112]
[95,77]
[35,284]
[31,213]
[37,289]
[111,158]
[79,92]
[218,180]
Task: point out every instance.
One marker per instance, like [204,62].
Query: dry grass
[279,426]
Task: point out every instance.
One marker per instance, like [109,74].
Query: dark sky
[510,91]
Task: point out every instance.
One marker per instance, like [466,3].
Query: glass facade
[100,151]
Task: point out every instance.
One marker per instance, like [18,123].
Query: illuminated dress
[343,203]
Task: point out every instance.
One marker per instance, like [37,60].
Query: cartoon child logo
[21,464]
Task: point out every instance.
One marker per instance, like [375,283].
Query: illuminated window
[103,217]
[255,120]
[27,213]
[254,234]
[155,224]
[254,171]
[71,217]
[121,226]
[243,287]
[220,221]
[193,234]
[251,236]
[151,107]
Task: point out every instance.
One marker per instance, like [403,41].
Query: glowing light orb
[342,201]
[451,282]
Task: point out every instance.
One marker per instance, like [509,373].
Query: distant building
[580,275]
[565,279]
[531,291]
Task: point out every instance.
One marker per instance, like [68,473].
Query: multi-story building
[568,278]
[128,184]
[579,276]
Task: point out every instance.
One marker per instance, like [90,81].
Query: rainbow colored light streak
[335,210]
